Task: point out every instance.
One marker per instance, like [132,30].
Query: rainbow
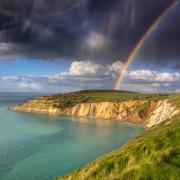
[140,43]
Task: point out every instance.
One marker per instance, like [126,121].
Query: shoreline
[88,117]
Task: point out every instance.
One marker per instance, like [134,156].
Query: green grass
[105,95]
[70,99]
[154,154]
[175,99]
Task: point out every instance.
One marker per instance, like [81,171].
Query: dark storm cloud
[164,43]
[84,29]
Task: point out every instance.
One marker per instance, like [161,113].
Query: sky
[69,45]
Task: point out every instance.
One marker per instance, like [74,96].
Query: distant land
[154,154]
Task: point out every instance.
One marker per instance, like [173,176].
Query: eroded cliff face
[120,111]
[162,112]
[143,112]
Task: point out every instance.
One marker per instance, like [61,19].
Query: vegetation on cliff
[154,154]
[68,100]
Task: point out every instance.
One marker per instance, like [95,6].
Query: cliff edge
[130,107]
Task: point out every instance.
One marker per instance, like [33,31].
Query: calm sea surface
[40,147]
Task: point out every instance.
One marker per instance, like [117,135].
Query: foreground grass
[154,154]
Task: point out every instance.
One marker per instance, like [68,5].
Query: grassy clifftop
[68,100]
[154,154]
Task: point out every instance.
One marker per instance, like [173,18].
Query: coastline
[141,112]
[88,117]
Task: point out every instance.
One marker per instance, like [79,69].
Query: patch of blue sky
[25,66]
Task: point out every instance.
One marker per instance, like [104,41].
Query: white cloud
[160,84]
[9,78]
[84,68]
[114,69]
[154,76]
[90,68]
[29,86]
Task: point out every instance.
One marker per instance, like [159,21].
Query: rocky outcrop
[162,112]
[146,112]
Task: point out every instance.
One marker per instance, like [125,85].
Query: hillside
[138,108]
[154,154]
[67,100]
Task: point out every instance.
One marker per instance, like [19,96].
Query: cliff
[141,111]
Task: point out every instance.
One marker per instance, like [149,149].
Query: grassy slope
[70,99]
[154,154]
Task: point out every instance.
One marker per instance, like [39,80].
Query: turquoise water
[40,147]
